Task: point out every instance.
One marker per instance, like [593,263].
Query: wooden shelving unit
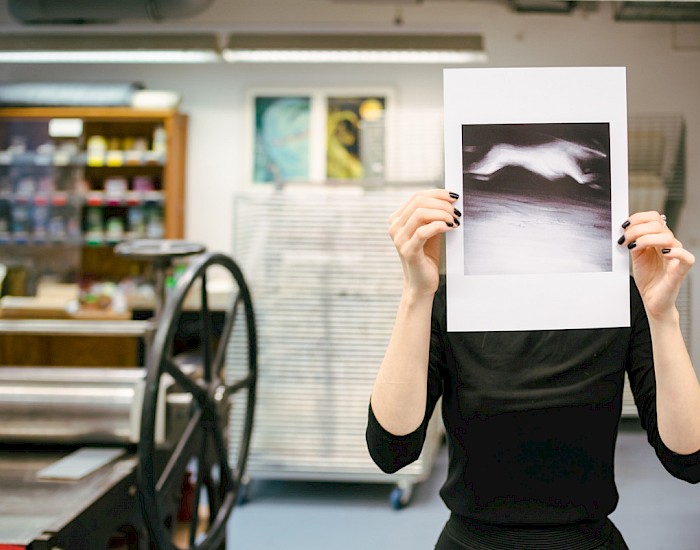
[50,180]
[110,123]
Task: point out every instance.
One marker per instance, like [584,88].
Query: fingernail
[454,195]
[631,245]
[450,224]
[626,224]
[621,240]
[458,213]
[456,222]
[665,250]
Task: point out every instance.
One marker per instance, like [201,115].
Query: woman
[531,417]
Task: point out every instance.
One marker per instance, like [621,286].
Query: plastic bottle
[96,150]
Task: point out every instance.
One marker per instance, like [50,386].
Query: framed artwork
[281,142]
[355,137]
[317,135]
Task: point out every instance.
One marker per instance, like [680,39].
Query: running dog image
[552,160]
[536,198]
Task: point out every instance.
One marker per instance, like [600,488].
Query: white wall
[661,79]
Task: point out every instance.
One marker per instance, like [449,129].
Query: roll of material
[155,99]
[68,94]
[68,406]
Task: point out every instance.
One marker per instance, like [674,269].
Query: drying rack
[326,281]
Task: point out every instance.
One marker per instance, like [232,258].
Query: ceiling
[37,15]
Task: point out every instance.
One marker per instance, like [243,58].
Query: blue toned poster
[281,139]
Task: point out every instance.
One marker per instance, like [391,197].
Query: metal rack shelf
[326,282]
[657,182]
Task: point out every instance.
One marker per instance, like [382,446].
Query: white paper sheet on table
[539,159]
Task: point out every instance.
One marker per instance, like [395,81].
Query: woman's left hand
[659,261]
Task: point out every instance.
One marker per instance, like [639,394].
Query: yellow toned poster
[355,137]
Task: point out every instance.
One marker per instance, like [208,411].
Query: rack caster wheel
[401,496]
[244,492]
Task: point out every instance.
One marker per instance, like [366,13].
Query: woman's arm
[400,389]
[660,264]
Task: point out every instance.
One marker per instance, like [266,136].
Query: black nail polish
[621,240]
[458,213]
[665,250]
[626,224]
[456,222]
[631,245]
[450,224]
[454,195]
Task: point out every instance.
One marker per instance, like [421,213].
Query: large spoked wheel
[204,389]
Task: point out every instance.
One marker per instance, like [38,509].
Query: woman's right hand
[415,229]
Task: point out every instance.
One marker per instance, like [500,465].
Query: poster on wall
[539,159]
[355,142]
[281,144]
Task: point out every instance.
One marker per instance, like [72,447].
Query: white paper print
[539,159]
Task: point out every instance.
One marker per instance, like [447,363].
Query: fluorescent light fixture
[359,56]
[356,48]
[108,56]
[258,48]
[108,49]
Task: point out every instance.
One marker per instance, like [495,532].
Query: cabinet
[75,181]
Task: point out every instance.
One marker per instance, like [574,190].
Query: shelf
[91,198]
[75,327]
[111,159]
[131,198]
[65,217]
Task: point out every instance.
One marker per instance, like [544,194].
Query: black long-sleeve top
[531,419]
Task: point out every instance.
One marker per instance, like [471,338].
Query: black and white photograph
[536,198]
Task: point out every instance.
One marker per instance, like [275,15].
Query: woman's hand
[659,261]
[415,229]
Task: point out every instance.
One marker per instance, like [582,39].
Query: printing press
[97,458]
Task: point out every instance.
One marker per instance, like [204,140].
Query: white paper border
[530,96]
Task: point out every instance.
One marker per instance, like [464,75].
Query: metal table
[44,514]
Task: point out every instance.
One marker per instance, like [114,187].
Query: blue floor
[656,511]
